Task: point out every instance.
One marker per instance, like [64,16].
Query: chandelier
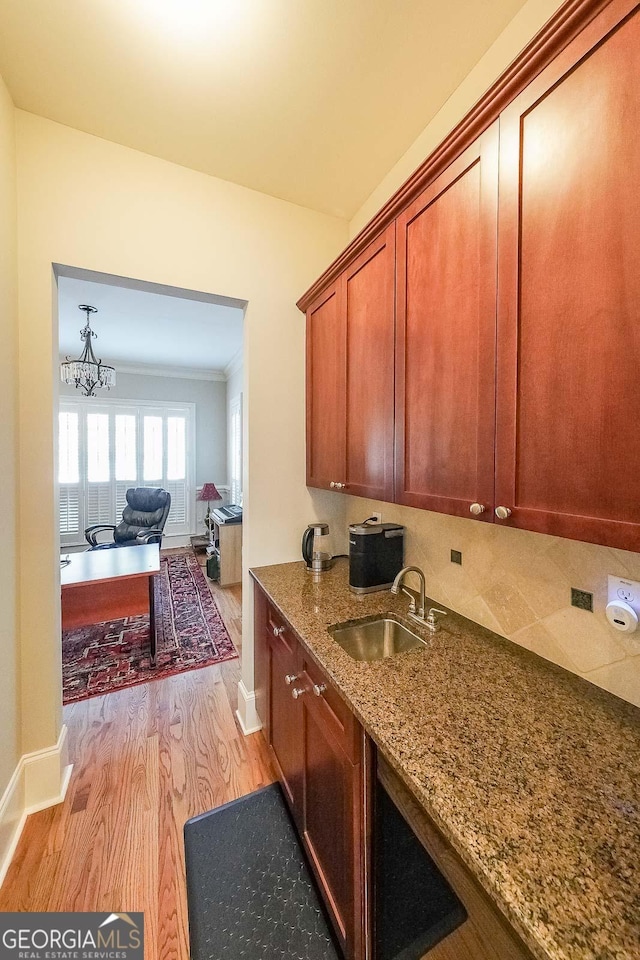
[86,372]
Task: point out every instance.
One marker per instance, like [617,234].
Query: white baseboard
[246,713]
[40,780]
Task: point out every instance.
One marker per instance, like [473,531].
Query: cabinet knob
[502,513]
[332,484]
[277,631]
[297,692]
[290,678]
[477,508]
[319,689]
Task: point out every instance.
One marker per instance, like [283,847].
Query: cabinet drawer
[279,633]
[330,708]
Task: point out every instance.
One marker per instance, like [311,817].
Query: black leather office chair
[143,520]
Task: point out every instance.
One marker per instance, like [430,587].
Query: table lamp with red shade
[207,494]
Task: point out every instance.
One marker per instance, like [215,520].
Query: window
[235,449]
[107,447]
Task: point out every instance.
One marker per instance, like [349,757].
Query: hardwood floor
[145,760]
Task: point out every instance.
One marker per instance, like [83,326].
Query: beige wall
[513,582]
[9,683]
[89,203]
[500,54]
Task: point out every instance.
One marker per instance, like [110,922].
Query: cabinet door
[332,821]
[326,345]
[261,657]
[369,297]
[568,442]
[445,341]
[284,717]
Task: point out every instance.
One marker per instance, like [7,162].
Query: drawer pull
[503,513]
[278,630]
[297,692]
[319,689]
[290,678]
[476,509]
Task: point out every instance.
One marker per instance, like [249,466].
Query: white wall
[88,203]
[9,653]
[210,399]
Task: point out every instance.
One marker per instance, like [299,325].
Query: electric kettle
[316,551]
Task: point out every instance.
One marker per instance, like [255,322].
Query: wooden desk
[101,585]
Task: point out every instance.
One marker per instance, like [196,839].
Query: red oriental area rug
[190,633]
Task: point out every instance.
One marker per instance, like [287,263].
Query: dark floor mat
[249,890]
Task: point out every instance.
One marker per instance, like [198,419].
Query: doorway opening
[149,481]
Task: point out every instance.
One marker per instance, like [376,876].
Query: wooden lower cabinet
[326,766]
[317,747]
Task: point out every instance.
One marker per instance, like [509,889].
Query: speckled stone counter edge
[285,587]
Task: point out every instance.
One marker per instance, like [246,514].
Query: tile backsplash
[519,583]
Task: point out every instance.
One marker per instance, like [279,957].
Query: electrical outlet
[456,556]
[582,599]
[622,589]
[378,517]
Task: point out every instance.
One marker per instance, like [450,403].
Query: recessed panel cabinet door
[445,341]
[369,300]
[326,342]
[284,718]
[331,823]
[568,439]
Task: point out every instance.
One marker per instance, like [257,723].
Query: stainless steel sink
[374,638]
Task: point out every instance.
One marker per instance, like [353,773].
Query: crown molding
[178,373]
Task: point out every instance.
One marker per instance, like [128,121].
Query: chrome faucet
[417,614]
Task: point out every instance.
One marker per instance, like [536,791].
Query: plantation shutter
[178,514]
[109,446]
[99,503]
[69,475]
[176,467]
[69,510]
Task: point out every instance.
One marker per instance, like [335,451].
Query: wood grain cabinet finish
[445,341]
[332,814]
[350,332]
[517,291]
[317,747]
[568,443]
[326,346]
[284,718]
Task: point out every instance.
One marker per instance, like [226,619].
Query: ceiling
[140,328]
[311,101]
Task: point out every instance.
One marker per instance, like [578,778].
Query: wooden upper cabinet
[326,345]
[568,442]
[370,313]
[350,344]
[445,337]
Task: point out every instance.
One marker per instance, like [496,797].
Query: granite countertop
[531,773]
